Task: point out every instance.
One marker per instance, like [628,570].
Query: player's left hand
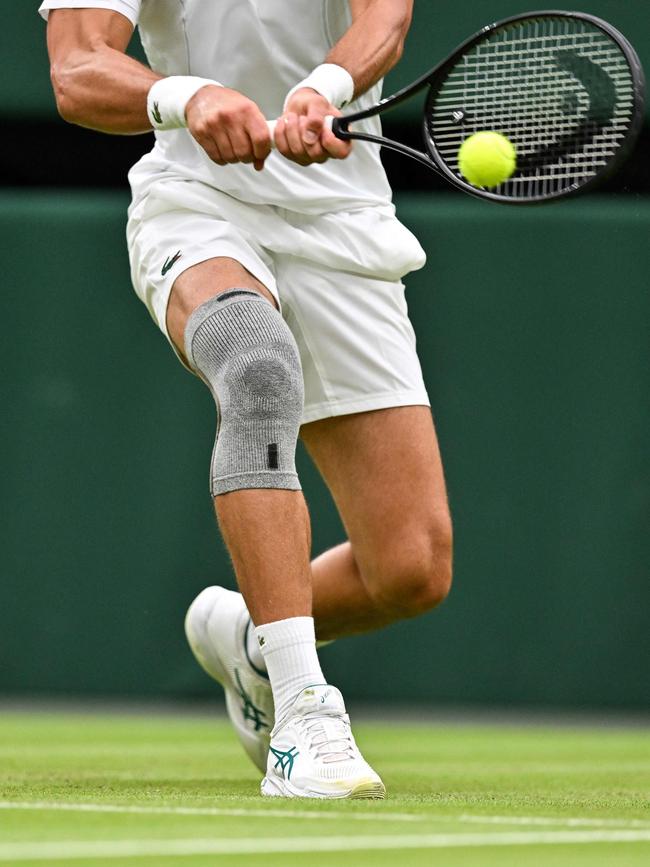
[301,134]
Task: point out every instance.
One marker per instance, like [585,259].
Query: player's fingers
[224,146]
[210,147]
[242,146]
[335,147]
[315,150]
[280,138]
[260,138]
[294,138]
[313,125]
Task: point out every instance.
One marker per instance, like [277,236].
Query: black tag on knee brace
[272,453]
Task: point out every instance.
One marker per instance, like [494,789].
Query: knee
[242,348]
[417,575]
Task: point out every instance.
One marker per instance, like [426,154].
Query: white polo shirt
[261,48]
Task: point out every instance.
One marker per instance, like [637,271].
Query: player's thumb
[313,127]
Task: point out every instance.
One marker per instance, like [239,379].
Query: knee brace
[244,351]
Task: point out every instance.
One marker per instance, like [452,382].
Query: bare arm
[98,86]
[370,47]
[95,83]
[374,42]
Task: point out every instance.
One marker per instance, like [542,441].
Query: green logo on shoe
[285,761]
[249,709]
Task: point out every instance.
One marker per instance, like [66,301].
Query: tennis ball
[487,159]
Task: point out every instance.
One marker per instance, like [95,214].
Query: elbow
[64,102]
[398,50]
[63,86]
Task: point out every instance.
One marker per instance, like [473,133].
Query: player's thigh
[385,473]
[201,282]
[184,250]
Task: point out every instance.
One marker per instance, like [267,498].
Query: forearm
[95,83]
[104,90]
[374,42]
[370,47]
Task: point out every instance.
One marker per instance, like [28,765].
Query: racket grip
[329,120]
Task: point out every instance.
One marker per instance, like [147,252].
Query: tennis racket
[566,88]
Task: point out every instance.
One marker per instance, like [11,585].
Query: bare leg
[385,474]
[267,534]
[266,531]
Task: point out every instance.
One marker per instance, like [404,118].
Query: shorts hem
[385,400]
[159,310]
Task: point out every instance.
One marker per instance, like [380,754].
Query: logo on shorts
[155,113]
[170,262]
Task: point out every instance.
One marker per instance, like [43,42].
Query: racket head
[566,88]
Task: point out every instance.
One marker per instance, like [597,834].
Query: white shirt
[261,48]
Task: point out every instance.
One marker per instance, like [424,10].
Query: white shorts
[336,278]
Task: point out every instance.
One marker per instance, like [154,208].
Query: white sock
[253,651]
[289,651]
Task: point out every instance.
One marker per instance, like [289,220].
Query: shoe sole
[363,790]
[370,790]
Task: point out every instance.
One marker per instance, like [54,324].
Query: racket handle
[329,120]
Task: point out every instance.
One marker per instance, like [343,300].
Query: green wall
[533,329]
[438,27]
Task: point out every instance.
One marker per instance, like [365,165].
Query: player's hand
[229,127]
[301,134]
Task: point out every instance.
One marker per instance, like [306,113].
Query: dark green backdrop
[438,27]
[533,328]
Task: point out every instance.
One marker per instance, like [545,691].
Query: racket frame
[431,158]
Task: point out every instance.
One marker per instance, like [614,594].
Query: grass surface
[179,791]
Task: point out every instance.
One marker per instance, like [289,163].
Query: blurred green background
[533,328]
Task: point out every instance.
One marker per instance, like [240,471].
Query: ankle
[289,651]
[253,651]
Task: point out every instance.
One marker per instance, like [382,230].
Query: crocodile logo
[170,261]
[155,113]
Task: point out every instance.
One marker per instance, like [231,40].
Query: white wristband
[168,98]
[330,80]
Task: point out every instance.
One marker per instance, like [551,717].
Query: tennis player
[276,278]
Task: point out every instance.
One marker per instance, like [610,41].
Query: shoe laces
[330,737]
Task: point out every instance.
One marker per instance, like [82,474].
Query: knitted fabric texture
[244,351]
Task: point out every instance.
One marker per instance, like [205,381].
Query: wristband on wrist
[168,98]
[330,80]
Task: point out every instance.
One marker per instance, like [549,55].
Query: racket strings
[560,89]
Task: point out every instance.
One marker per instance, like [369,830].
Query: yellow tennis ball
[487,159]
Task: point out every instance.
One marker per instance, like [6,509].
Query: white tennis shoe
[216,625]
[313,753]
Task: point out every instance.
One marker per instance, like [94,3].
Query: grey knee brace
[244,351]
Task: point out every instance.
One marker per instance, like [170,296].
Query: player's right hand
[301,134]
[229,126]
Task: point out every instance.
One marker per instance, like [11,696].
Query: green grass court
[171,790]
